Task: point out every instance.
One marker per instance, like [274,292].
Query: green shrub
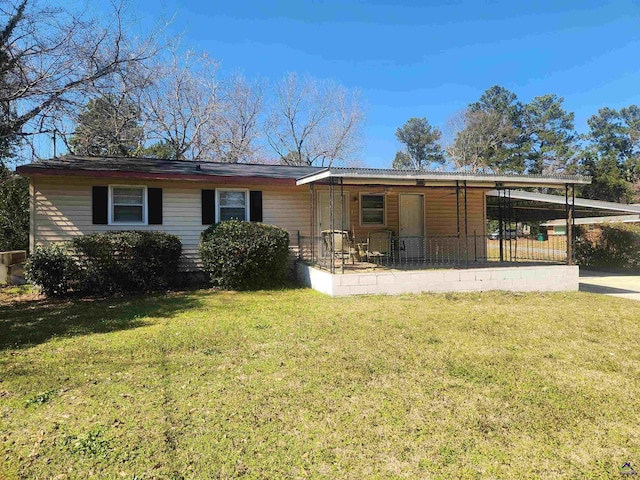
[611,245]
[130,261]
[245,255]
[52,268]
[109,262]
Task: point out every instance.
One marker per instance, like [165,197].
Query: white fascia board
[442,179]
[316,177]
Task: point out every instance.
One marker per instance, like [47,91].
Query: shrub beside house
[235,254]
[610,245]
[105,263]
[245,255]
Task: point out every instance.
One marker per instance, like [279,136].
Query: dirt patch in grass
[18,293]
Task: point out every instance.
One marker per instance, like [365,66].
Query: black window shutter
[100,205]
[255,206]
[154,212]
[208,207]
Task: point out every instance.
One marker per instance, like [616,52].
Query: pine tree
[109,126]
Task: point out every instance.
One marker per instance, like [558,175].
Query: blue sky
[424,59]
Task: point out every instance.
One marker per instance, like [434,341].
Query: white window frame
[246,201]
[384,209]
[145,203]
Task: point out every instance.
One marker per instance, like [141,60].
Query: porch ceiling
[370,176]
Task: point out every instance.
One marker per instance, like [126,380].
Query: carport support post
[573,217]
[332,220]
[458,219]
[311,226]
[466,224]
[500,199]
[515,226]
[569,209]
[342,223]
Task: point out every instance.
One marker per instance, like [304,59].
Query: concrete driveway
[614,284]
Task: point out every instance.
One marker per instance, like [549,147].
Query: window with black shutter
[154,198]
[208,207]
[255,205]
[100,205]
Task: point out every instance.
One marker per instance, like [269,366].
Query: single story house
[558,226]
[342,221]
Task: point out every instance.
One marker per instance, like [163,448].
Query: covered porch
[364,219]
[389,231]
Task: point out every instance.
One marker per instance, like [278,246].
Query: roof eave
[436,179]
[29,171]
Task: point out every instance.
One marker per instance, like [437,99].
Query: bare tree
[474,136]
[57,58]
[237,127]
[314,122]
[181,105]
[459,147]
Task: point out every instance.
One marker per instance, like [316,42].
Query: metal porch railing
[340,251]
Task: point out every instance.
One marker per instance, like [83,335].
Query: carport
[510,206]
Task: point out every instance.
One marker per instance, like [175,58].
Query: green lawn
[293,384]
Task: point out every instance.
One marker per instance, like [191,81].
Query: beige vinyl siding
[441,212]
[32,214]
[62,208]
[287,207]
[441,215]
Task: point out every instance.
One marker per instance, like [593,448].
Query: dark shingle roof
[165,167]
[193,170]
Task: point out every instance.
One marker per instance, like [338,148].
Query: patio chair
[342,245]
[378,245]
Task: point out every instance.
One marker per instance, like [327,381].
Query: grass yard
[293,384]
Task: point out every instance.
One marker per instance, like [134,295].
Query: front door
[324,212]
[411,240]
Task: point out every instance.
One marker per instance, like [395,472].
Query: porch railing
[343,251]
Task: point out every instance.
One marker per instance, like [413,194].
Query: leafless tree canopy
[473,135]
[61,57]
[63,65]
[181,105]
[238,124]
[313,122]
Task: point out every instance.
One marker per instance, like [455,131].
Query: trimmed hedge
[52,268]
[610,245]
[127,261]
[110,262]
[245,255]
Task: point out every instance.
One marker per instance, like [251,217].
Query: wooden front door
[411,241]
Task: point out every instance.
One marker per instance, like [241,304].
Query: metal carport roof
[533,206]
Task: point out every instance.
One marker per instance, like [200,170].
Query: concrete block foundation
[12,267]
[526,278]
